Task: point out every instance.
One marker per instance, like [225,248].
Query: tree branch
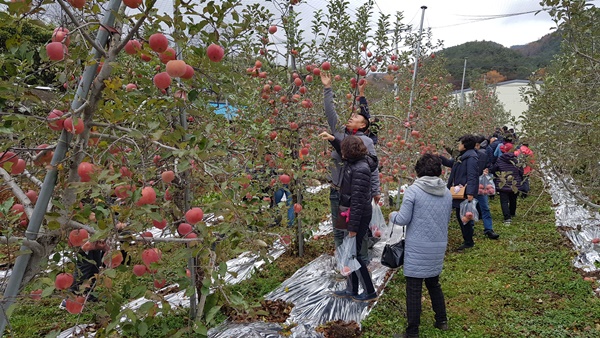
[86,36]
[575,194]
[126,130]
[18,192]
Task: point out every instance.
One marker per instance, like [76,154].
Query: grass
[521,285]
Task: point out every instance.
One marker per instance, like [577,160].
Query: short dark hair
[428,165]
[479,138]
[353,147]
[468,141]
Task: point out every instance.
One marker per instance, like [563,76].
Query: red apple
[184,229]
[284,179]
[58,124]
[56,51]
[36,294]
[133,3]
[150,256]
[84,170]
[113,259]
[159,283]
[148,196]
[139,270]
[133,47]
[194,215]
[167,55]
[168,176]
[215,53]
[61,35]
[160,224]
[176,68]
[63,281]
[596,240]
[32,195]
[162,80]
[130,87]
[77,3]
[75,306]
[297,207]
[74,127]
[189,72]
[326,65]
[273,29]
[158,42]
[346,270]
[19,168]
[78,237]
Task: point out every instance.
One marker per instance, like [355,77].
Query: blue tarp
[223,108]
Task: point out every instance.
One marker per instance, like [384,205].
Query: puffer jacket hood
[432,185]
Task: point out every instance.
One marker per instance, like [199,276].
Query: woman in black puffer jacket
[355,193]
[509,177]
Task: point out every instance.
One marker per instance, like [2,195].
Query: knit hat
[506,147]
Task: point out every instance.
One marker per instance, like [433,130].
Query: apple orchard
[130,141]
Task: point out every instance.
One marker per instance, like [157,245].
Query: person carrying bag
[425,211]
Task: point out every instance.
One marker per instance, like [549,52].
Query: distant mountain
[517,62]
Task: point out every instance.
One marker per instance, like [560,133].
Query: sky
[459,21]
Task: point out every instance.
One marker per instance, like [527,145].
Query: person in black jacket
[465,171]
[509,177]
[483,204]
[355,193]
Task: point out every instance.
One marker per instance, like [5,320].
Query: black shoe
[344,294]
[441,326]
[464,246]
[491,234]
[365,297]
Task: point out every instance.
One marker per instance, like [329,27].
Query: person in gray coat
[357,125]
[425,210]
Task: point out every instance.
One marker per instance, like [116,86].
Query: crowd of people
[427,204]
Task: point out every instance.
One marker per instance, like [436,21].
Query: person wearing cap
[509,177]
[357,125]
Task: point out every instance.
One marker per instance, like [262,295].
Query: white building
[509,94]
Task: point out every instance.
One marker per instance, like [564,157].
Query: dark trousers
[508,202]
[466,229]
[363,271]
[88,265]
[414,288]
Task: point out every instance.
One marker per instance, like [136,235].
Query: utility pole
[415,68]
[39,211]
[462,86]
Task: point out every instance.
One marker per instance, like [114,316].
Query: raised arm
[332,118]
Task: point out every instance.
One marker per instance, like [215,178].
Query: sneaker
[63,305]
[344,294]
[507,221]
[441,326]
[491,234]
[365,297]
[464,246]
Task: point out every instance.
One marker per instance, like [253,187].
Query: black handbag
[393,254]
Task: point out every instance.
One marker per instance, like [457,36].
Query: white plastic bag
[486,185]
[345,255]
[379,228]
[468,211]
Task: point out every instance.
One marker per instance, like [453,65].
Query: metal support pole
[462,86]
[416,67]
[39,211]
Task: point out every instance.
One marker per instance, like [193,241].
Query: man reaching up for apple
[357,125]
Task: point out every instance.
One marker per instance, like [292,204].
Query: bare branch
[577,123]
[18,192]
[134,29]
[124,139]
[76,22]
[32,178]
